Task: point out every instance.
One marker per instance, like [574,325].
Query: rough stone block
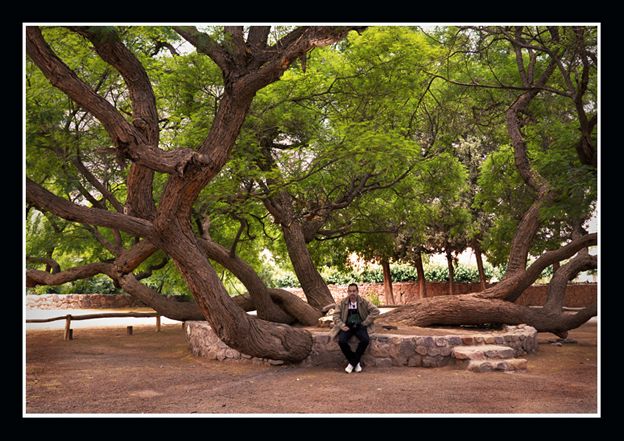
[379,349]
[428,342]
[446,351]
[406,348]
[480,366]
[233,354]
[414,361]
[322,339]
[434,351]
[454,340]
[441,341]
[383,362]
[468,340]
[422,350]
[436,361]
[506,365]
[482,352]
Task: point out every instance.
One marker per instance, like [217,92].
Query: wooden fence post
[67,327]
[129,330]
[157,323]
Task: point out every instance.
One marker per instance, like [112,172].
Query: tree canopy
[154,151]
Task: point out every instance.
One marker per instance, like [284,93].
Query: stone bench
[385,350]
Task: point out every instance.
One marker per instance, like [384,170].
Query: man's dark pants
[343,341]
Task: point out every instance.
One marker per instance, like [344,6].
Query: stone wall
[577,294]
[385,349]
[81,301]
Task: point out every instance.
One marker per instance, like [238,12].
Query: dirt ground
[105,371]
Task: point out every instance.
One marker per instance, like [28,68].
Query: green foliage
[373,297]
[399,272]
[98,284]
[285,281]
[436,153]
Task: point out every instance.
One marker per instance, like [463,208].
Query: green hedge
[400,273]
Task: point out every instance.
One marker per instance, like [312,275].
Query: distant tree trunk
[477,250]
[281,207]
[451,271]
[387,275]
[420,271]
[314,287]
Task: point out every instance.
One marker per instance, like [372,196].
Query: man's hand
[344,328]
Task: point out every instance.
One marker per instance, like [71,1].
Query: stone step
[505,365]
[482,352]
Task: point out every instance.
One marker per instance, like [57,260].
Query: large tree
[554,86]
[248,62]
[147,202]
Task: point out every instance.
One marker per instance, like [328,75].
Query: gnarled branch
[37,277]
[45,200]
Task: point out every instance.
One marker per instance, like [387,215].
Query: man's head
[352,292]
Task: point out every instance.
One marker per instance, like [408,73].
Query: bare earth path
[107,371]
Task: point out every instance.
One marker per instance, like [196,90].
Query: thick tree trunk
[314,287]
[293,305]
[259,293]
[420,271]
[387,277]
[451,271]
[290,303]
[234,327]
[477,250]
[469,309]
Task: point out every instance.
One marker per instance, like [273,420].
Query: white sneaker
[358,368]
[349,368]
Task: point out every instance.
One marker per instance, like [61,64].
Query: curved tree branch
[511,288]
[292,46]
[63,78]
[130,141]
[565,273]
[53,264]
[111,49]
[84,171]
[44,200]
[36,277]
[529,224]
[206,45]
